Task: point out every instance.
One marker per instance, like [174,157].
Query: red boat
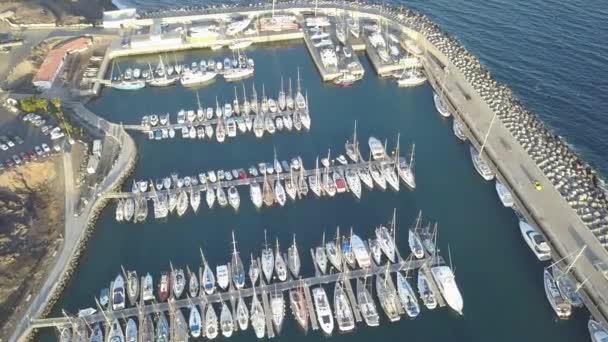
[164,287]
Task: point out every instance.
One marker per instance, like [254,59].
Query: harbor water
[498,275]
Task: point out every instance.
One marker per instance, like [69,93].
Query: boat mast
[236,97]
[244,94]
[298,88]
[273,8]
[234,252]
[574,261]
[203,257]
[397,150]
[323,240]
[198,101]
[265,240]
[412,158]
[355,142]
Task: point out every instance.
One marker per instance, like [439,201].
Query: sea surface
[548,51]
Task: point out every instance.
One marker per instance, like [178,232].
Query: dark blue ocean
[552,54]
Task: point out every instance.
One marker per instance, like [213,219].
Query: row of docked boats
[271,183]
[562,291]
[398,293]
[188,75]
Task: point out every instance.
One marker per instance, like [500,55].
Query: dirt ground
[31,226]
[55,11]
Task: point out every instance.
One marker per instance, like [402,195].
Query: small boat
[444,277]
[598,332]
[223,279]
[504,194]
[480,165]
[242,314]
[267,260]
[115,334]
[277,308]
[343,311]
[367,305]
[376,251]
[178,282]
[297,302]
[193,285]
[194,321]
[426,293]
[118,293]
[162,328]
[293,258]
[415,244]
[254,271]
[407,296]
[323,310]
[226,322]
[321,257]
[562,308]
[207,277]
[279,264]
[535,240]
[441,107]
[130,331]
[258,319]
[211,330]
[164,287]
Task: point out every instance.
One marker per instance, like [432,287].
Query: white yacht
[255,192]
[360,251]
[343,311]
[480,165]
[367,305]
[211,329]
[415,244]
[535,240]
[258,319]
[226,321]
[562,308]
[407,296]
[323,310]
[444,277]
[234,198]
[277,308]
[386,242]
[377,149]
[504,194]
[441,107]
[223,279]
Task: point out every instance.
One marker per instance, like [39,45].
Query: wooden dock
[353,299]
[267,313]
[311,309]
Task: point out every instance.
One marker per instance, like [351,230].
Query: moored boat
[323,310]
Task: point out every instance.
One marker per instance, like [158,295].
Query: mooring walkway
[263,289]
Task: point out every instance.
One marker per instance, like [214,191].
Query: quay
[148,195]
[109,315]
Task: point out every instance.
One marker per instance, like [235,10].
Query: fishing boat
[277,308]
[193,285]
[223,278]
[194,321]
[211,330]
[162,328]
[354,182]
[376,251]
[415,244]
[504,194]
[367,305]
[562,308]
[293,258]
[323,310]
[238,269]
[297,302]
[444,277]
[254,271]
[258,319]
[535,240]
[226,322]
[207,277]
[131,331]
[178,282]
[334,252]
[386,242]
[233,198]
[441,107]
[388,297]
[320,256]
[426,293]
[132,287]
[342,309]
[597,331]
[407,295]
[267,260]
[480,165]
[118,293]
[279,264]
[115,334]
[360,251]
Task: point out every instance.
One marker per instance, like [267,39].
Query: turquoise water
[500,279]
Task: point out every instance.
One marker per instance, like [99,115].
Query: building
[52,64]
[155,36]
[97,146]
[120,18]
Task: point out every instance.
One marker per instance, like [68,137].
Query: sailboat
[193,285]
[315,180]
[242,314]
[132,287]
[289,101]
[297,302]
[267,192]
[211,330]
[279,264]
[323,310]
[562,308]
[267,260]
[277,308]
[352,147]
[194,321]
[254,271]
[566,287]
[282,99]
[162,327]
[226,322]
[385,240]
[238,270]
[291,187]
[426,293]
[293,258]
[178,281]
[207,278]
[320,256]
[118,293]
[115,334]
[164,80]
[597,331]
[405,169]
[407,296]
[334,252]
[415,244]
[388,297]
[342,309]
[258,319]
[367,305]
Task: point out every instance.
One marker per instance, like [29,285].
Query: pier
[264,289]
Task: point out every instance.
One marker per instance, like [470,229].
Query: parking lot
[24,141]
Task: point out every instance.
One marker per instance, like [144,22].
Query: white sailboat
[334,252]
[277,308]
[321,257]
[293,258]
[258,319]
[226,322]
[211,323]
[207,278]
[267,260]
[343,311]
[367,305]
[407,296]
[426,293]
[279,264]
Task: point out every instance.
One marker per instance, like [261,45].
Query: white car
[38,150]
[46,147]
[4,147]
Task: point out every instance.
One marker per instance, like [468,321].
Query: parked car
[24,157]
[46,147]
[9,162]
[16,159]
[18,140]
[3,146]
[38,150]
